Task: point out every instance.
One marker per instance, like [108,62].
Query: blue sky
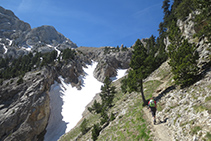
[93,23]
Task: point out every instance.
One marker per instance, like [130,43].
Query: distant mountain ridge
[17,38]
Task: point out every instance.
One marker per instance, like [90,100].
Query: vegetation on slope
[183,59]
[127,109]
[17,67]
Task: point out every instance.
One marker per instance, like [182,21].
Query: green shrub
[1,82]
[68,54]
[208,136]
[20,81]
[195,129]
[112,117]
[83,126]
[208,98]
[96,131]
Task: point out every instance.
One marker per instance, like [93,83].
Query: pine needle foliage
[183,57]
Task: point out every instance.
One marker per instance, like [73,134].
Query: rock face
[47,35]
[187,27]
[108,62]
[17,38]
[24,108]
[10,25]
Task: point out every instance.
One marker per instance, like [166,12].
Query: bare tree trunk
[142,93]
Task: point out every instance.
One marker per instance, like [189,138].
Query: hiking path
[160,129]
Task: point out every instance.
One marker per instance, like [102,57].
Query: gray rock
[107,63]
[25,108]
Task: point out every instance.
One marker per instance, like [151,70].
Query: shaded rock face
[24,108]
[108,64]
[17,38]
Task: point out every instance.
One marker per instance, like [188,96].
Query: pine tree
[139,69]
[95,131]
[104,117]
[167,13]
[107,93]
[184,8]
[183,57]
[84,127]
[165,7]
[96,107]
[151,50]
[184,64]
[124,85]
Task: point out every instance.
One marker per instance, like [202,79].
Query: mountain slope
[183,114]
[25,83]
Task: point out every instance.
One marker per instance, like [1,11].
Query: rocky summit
[17,38]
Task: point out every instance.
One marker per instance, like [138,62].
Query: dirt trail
[159,130]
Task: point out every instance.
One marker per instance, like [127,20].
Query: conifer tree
[166,10]
[184,8]
[95,131]
[167,14]
[96,107]
[84,127]
[107,93]
[183,57]
[139,69]
[184,63]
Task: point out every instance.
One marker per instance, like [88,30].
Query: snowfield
[67,103]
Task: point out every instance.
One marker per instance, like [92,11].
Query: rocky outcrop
[187,27]
[72,72]
[24,106]
[188,111]
[204,51]
[108,62]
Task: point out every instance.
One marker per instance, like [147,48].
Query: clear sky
[93,23]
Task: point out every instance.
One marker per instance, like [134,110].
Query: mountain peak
[17,38]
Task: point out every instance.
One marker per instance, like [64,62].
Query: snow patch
[5,48]
[67,103]
[120,74]
[29,48]
[10,41]
[58,51]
